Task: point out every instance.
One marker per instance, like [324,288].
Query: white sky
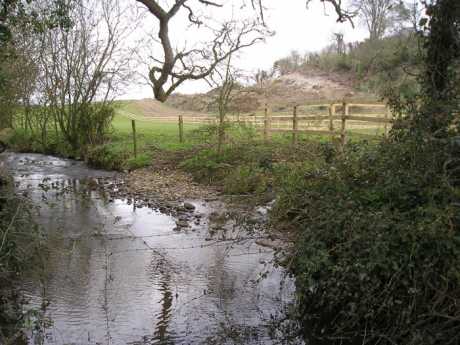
[295,26]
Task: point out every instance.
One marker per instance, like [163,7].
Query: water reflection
[117,274]
[162,332]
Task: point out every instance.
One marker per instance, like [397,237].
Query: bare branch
[343,14]
[210,3]
[176,67]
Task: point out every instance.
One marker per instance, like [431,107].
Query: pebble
[189,206]
[182,224]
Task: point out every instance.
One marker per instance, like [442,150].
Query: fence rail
[334,119]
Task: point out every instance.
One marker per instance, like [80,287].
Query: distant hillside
[279,93]
[150,108]
[282,92]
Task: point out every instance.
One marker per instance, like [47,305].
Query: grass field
[154,136]
[146,110]
[165,136]
[150,134]
[149,108]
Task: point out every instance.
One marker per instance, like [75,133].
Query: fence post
[385,128]
[343,133]
[295,126]
[331,119]
[267,124]
[133,125]
[181,129]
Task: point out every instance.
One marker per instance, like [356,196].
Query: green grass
[153,136]
[118,153]
[165,136]
[150,134]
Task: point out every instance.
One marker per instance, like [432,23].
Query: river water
[118,274]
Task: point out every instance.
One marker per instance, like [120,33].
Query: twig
[9,227]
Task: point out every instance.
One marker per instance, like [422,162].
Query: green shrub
[21,249]
[206,165]
[378,253]
[106,157]
[24,142]
[95,125]
[141,161]
[245,180]
[235,133]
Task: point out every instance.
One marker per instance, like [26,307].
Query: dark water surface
[117,274]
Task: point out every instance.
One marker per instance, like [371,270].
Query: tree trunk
[221,133]
[440,80]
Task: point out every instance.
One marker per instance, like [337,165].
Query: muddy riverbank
[128,267]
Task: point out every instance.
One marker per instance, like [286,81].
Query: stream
[116,273]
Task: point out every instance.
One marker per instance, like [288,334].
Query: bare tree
[82,67]
[261,77]
[380,15]
[177,66]
[17,77]
[343,11]
[226,96]
[225,81]
[414,13]
[339,43]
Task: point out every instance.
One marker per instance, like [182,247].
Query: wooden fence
[335,120]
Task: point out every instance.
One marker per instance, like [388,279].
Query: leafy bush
[235,133]
[378,254]
[95,124]
[138,162]
[23,142]
[208,165]
[26,141]
[106,157]
[21,244]
[246,179]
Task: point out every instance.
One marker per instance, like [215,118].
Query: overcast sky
[296,28]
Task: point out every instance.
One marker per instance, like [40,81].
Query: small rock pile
[172,185]
[161,190]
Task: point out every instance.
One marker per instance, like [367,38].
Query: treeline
[378,253]
[375,65]
[389,58]
[63,63]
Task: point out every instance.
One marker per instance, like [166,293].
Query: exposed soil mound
[311,86]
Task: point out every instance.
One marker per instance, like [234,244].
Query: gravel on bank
[168,184]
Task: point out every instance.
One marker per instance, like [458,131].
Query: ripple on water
[123,275]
